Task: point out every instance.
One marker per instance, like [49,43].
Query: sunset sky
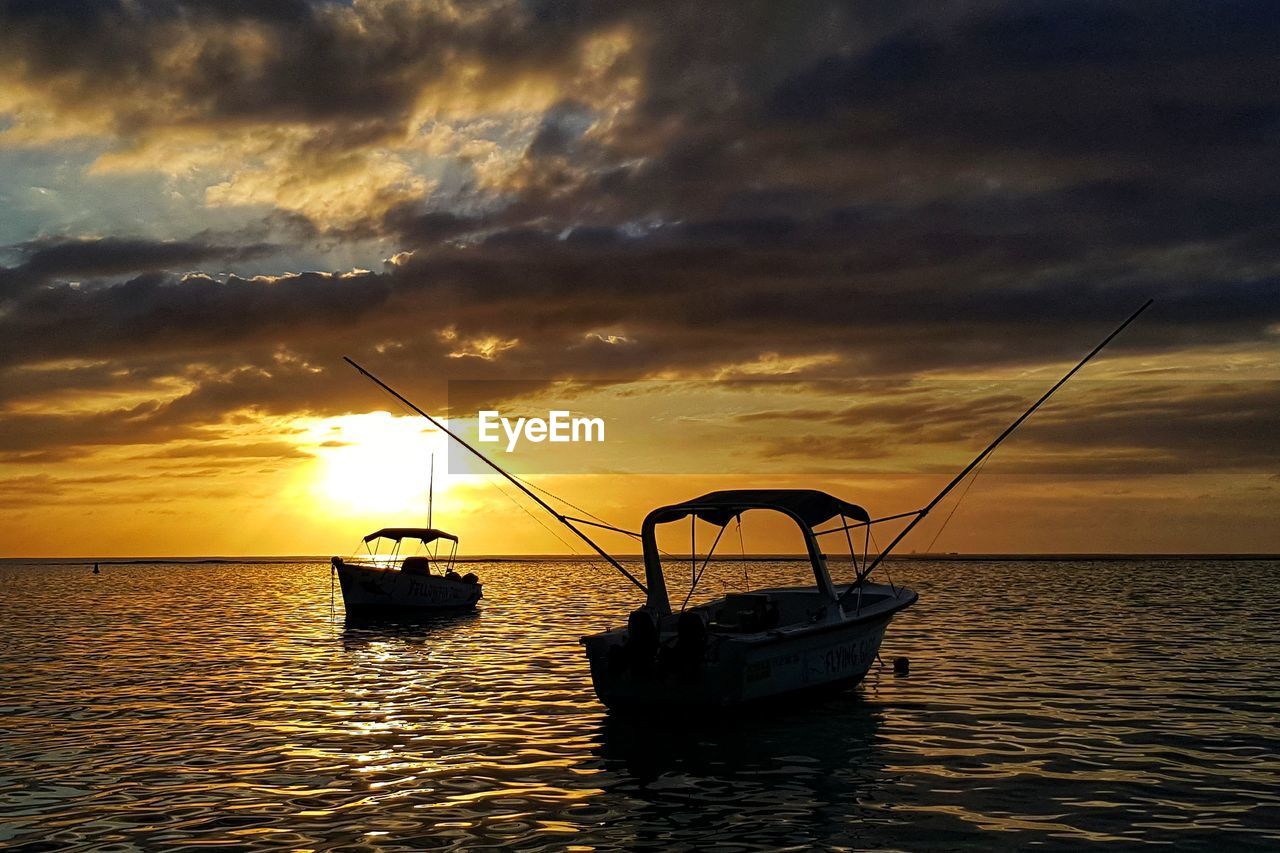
[831,245]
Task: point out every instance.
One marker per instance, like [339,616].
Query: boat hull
[367,589]
[746,669]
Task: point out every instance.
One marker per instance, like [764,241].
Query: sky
[829,245]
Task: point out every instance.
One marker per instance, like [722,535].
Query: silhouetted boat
[378,583]
[765,643]
[748,646]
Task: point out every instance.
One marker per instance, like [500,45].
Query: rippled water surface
[1050,704]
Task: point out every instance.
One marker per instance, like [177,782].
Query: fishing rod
[920,514]
[563,519]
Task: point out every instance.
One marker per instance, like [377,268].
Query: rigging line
[955,481]
[866,523]
[554,496]
[866,546]
[614,529]
[887,575]
[742,550]
[959,500]
[603,526]
[590,561]
[848,537]
[698,577]
[540,522]
[506,474]
[602,523]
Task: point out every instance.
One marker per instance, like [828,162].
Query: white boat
[751,646]
[393,582]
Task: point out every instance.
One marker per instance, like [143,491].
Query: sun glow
[375,463]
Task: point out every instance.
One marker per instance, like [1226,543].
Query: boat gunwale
[396,570]
[791,632]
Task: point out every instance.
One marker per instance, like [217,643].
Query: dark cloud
[357,69]
[418,227]
[1099,428]
[685,303]
[51,259]
[28,433]
[562,126]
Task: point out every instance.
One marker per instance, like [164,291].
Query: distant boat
[763,643]
[377,583]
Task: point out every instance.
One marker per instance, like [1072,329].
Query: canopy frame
[805,507]
[425,535]
[428,536]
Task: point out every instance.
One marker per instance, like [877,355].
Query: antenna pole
[515,482]
[919,516]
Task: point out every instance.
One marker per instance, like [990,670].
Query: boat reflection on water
[360,630]
[837,734]
[779,777]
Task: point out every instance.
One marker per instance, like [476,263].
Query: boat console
[416,566]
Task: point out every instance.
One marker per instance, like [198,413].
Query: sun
[376,463]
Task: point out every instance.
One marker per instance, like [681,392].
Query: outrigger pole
[563,519]
[920,514]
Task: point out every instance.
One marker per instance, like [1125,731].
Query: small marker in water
[902,666]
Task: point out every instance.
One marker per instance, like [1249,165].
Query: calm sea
[1050,705]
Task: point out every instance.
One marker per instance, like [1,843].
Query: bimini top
[809,505]
[422,534]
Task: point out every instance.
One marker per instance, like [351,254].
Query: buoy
[902,666]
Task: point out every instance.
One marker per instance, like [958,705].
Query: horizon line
[952,556]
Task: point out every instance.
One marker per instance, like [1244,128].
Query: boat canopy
[719,508]
[422,534]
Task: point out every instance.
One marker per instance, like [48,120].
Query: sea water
[1050,704]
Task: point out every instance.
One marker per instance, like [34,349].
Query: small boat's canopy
[719,508]
[425,535]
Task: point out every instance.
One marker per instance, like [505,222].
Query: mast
[431,488]
[920,514]
[563,519]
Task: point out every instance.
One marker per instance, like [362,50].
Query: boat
[393,582]
[749,646]
[760,644]
[379,584]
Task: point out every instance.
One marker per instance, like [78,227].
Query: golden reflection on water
[1049,703]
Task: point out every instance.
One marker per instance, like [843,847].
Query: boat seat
[416,566]
[745,612]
